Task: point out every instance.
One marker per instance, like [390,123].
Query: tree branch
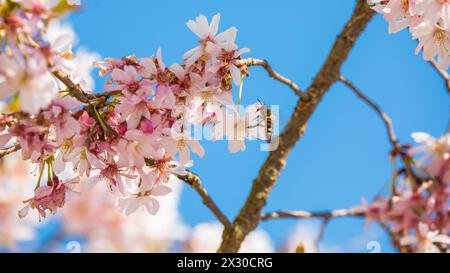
[272,73]
[249,215]
[397,148]
[395,239]
[443,74]
[326,215]
[384,117]
[195,182]
[9,150]
[74,90]
[83,97]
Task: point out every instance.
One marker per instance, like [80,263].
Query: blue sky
[344,154]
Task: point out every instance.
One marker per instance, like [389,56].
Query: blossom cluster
[29,53]
[418,211]
[134,136]
[427,20]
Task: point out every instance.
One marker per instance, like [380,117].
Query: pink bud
[146,126]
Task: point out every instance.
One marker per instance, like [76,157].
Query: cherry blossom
[137,199]
[35,86]
[434,11]
[426,240]
[434,40]
[436,155]
[427,20]
[49,197]
[179,140]
[206,32]
[236,127]
[134,138]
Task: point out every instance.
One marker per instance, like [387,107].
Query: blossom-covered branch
[139,132]
[82,97]
[249,216]
[194,181]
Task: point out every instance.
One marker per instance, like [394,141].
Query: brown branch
[74,90]
[249,215]
[195,182]
[9,150]
[83,97]
[395,239]
[272,73]
[106,94]
[443,74]
[326,215]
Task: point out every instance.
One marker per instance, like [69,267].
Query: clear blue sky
[344,155]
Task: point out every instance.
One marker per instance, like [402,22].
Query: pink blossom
[112,175]
[399,13]
[61,118]
[164,97]
[434,40]
[81,158]
[230,123]
[36,87]
[434,11]
[34,143]
[146,199]
[164,166]
[133,108]
[224,56]
[133,148]
[426,239]
[179,140]
[436,155]
[207,33]
[49,197]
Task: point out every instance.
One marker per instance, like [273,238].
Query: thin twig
[9,150]
[384,117]
[195,182]
[353,212]
[106,94]
[443,74]
[397,148]
[321,235]
[82,97]
[73,89]
[272,73]
[395,239]
[326,216]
